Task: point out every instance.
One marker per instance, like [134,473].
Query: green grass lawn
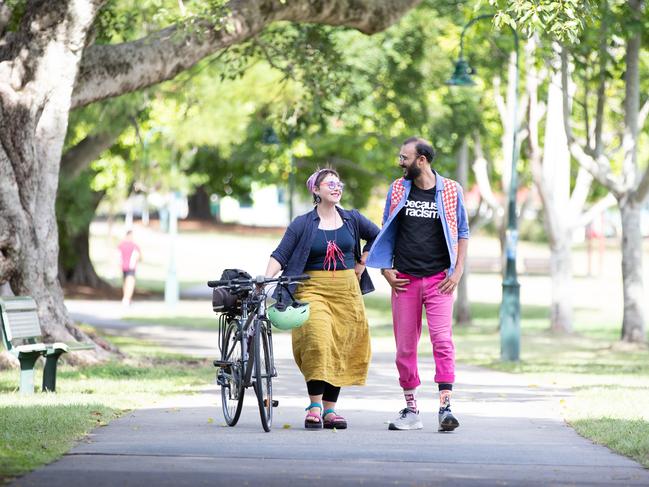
[35,430]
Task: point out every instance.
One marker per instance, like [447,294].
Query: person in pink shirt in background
[130,256]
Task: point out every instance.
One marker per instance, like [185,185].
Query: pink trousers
[407,320]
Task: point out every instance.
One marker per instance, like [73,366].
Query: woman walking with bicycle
[332,349]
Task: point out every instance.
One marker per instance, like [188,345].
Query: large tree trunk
[199,205]
[633,288]
[83,273]
[37,71]
[75,266]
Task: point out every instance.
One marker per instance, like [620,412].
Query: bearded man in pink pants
[421,251]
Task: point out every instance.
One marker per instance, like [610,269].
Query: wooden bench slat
[73,347]
[18,304]
[23,324]
[34,347]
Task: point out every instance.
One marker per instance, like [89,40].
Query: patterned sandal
[313,421]
[334,420]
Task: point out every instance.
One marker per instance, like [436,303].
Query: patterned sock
[411,400]
[444,396]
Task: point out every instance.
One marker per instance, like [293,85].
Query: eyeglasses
[403,158]
[333,185]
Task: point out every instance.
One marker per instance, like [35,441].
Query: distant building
[269,207]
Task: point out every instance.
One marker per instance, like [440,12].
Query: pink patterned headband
[310,183]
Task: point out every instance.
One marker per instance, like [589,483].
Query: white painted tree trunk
[462,309]
[34,105]
[561,277]
[556,205]
[632,282]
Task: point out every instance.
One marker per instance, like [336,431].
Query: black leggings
[329,392]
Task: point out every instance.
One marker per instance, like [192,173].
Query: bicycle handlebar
[259,280]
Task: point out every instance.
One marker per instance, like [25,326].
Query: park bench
[536,265]
[484,264]
[21,334]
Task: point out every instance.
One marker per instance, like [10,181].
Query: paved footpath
[511,433]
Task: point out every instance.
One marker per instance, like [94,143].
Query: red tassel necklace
[333,253]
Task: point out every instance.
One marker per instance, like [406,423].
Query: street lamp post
[510,308]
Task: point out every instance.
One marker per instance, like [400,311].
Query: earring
[317,199]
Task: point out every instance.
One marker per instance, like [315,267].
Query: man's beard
[412,173]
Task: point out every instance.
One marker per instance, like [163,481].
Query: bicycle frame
[251,318]
[247,330]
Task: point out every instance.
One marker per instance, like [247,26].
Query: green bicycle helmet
[287,317]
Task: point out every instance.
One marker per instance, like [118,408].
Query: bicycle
[246,347]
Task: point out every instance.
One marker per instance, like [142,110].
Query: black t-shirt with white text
[420,249]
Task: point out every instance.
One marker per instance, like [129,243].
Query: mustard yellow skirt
[334,344]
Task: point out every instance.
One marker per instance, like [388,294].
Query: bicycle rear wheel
[230,376]
[264,375]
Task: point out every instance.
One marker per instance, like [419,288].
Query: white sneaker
[407,420]
[447,422]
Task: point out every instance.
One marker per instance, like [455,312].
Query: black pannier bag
[222,300]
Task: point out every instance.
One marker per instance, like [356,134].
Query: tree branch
[580,192]
[588,216]
[600,170]
[111,70]
[482,177]
[79,157]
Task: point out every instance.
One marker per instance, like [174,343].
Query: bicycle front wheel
[264,375]
[230,376]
